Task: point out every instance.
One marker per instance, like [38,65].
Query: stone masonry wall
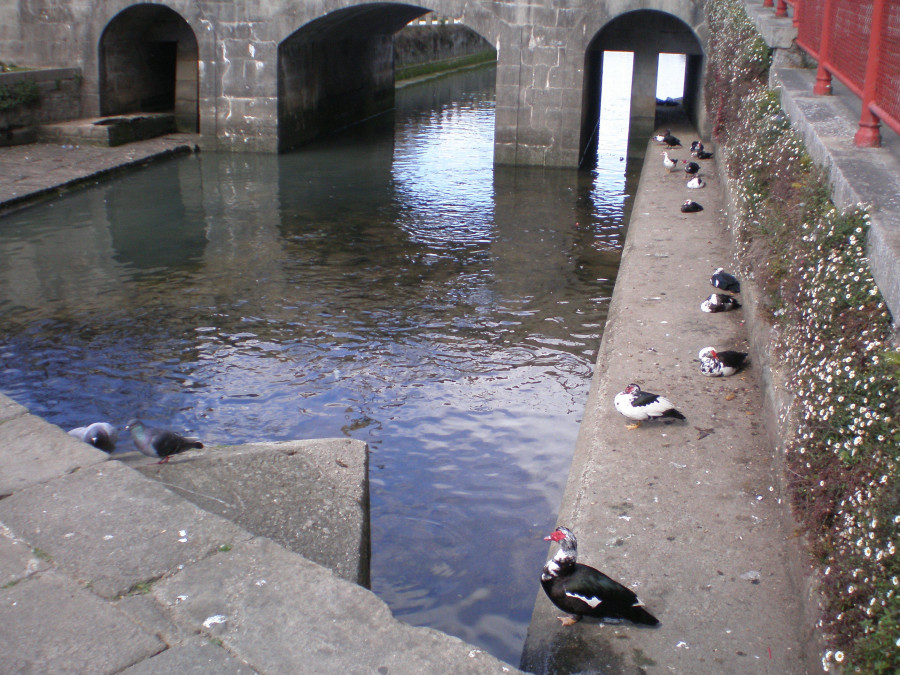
[60,99]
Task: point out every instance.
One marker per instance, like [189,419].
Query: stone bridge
[268,75]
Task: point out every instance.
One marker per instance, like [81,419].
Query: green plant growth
[809,260]
[17,94]
[445,65]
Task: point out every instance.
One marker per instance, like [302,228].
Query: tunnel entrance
[338,70]
[653,38]
[149,63]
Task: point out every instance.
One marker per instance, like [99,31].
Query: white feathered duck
[640,406]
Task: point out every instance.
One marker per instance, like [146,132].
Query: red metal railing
[858,42]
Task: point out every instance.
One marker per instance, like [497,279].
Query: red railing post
[768,3]
[823,77]
[781,9]
[869,134]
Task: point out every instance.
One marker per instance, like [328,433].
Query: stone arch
[338,69]
[647,33]
[148,61]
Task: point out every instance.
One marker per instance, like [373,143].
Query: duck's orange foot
[632,427]
[569,620]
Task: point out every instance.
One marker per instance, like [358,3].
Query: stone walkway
[689,514]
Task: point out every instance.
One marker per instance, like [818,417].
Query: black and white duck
[719,302]
[640,405]
[582,591]
[714,363]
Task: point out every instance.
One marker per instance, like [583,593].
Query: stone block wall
[59,91]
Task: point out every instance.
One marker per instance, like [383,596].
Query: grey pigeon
[160,443]
[102,435]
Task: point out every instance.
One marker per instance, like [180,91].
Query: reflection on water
[390,285]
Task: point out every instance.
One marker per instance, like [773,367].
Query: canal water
[389,285]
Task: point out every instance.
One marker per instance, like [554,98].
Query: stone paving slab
[197,657]
[18,560]
[35,451]
[310,496]
[282,613]
[112,528]
[53,625]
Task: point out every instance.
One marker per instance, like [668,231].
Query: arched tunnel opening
[654,39]
[338,70]
[149,63]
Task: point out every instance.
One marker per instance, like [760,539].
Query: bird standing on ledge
[670,164]
[640,405]
[585,591]
[160,443]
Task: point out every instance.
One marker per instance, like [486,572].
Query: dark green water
[390,285]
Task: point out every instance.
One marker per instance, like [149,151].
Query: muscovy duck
[160,443]
[717,302]
[695,183]
[584,591]
[671,140]
[640,405]
[721,364]
[725,281]
[690,206]
[670,164]
[691,167]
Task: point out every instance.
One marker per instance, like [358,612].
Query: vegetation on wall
[18,94]
[833,346]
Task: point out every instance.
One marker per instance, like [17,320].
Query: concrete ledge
[310,496]
[107,570]
[33,451]
[689,514]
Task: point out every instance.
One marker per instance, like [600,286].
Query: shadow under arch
[647,33]
[338,70]
[148,61]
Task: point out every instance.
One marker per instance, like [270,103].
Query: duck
[690,206]
[721,364]
[695,183]
[160,443]
[640,405]
[670,164]
[671,140]
[696,146]
[718,302]
[582,591]
[725,281]
[102,435]
[702,154]
[691,167]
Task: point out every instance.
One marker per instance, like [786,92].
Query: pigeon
[691,167]
[102,435]
[718,302]
[584,591]
[640,405]
[725,281]
[690,207]
[696,182]
[160,443]
[721,364]
[670,164]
